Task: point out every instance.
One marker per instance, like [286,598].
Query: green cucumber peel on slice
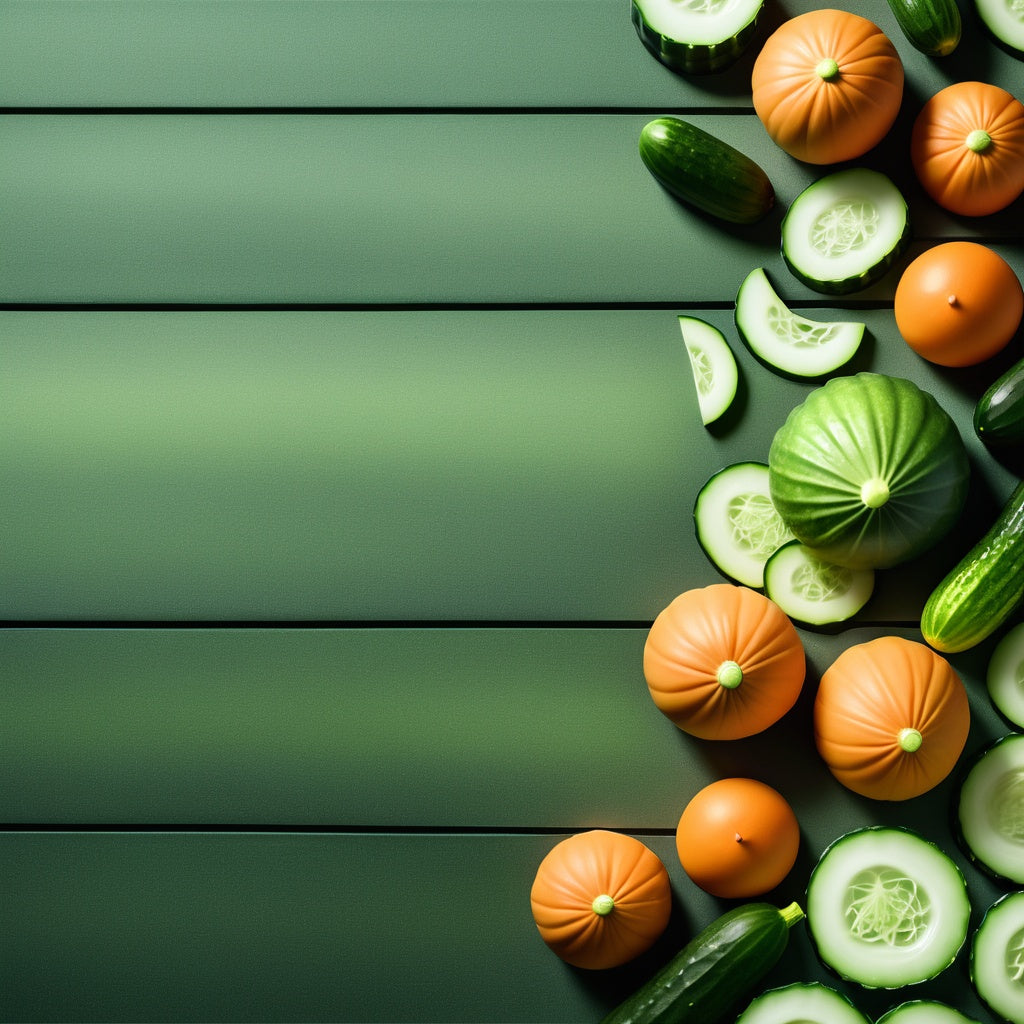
[813,591]
[997,958]
[990,810]
[1004,676]
[845,231]
[696,37]
[1004,22]
[715,374]
[786,342]
[737,525]
[802,1003]
[887,908]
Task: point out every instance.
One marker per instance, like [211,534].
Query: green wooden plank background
[321,625]
[388,208]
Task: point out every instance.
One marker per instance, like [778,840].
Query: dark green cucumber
[999,414]
[694,39]
[980,593]
[705,172]
[715,971]
[931,26]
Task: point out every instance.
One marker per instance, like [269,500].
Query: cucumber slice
[925,1011]
[736,522]
[997,958]
[887,908]
[714,367]
[696,37]
[1005,676]
[844,231]
[786,341]
[802,1003]
[1004,20]
[813,591]
[990,811]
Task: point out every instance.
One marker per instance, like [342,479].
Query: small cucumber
[999,414]
[931,26]
[715,971]
[984,588]
[705,172]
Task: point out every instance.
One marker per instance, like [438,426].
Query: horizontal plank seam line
[412,307]
[331,830]
[377,111]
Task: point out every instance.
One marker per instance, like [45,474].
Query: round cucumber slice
[990,810]
[696,36]
[1005,676]
[802,1003]
[997,958]
[787,342]
[844,231]
[736,522]
[713,365]
[1004,19]
[925,1011]
[814,591]
[887,908]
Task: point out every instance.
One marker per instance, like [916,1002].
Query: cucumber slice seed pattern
[755,525]
[847,226]
[885,906]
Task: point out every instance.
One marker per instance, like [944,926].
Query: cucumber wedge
[812,591]
[715,375]
[887,908]
[736,522]
[845,231]
[1004,677]
[787,342]
[997,958]
[990,810]
[695,37]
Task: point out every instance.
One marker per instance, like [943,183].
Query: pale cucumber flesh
[1005,676]
[997,958]
[715,375]
[813,591]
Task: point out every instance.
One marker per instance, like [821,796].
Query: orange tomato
[737,838]
[958,304]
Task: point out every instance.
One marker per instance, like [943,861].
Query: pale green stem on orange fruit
[910,740]
[979,140]
[827,69]
[729,675]
[602,905]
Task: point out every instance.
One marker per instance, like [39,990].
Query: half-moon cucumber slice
[715,375]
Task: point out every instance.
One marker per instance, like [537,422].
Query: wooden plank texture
[381,209]
[377,53]
[445,465]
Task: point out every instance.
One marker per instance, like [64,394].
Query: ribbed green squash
[869,471]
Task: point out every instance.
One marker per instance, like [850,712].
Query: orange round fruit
[958,304]
[737,838]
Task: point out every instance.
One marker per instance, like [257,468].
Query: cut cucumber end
[713,365]
[813,591]
[1005,676]
[887,908]
[845,231]
[737,525]
[997,958]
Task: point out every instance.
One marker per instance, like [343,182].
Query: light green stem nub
[792,914]
[827,69]
[730,675]
[874,493]
[603,905]
[910,740]
[979,140]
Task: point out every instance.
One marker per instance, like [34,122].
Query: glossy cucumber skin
[705,172]
[999,414]
[931,26]
[714,971]
[692,58]
[983,589]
